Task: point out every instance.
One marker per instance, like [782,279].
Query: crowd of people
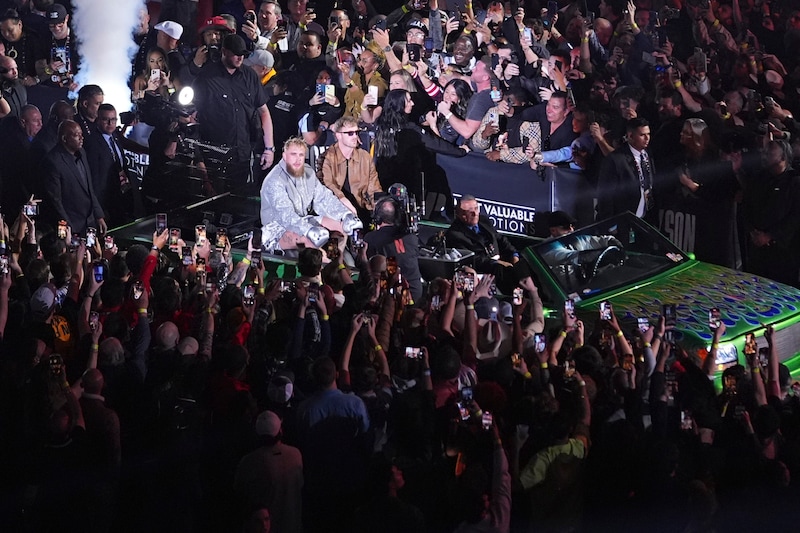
[162,391]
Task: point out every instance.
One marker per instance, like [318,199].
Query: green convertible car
[628,263]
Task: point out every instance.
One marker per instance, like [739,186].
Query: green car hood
[745,301]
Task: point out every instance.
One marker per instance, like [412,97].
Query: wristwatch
[387,48]
[269,148]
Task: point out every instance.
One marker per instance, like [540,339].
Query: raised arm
[708,363]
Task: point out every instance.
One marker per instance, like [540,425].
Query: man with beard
[211,36]
[90,97]
[296,208]
[232,110]
[13,94]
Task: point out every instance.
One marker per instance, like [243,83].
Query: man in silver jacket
[296,207]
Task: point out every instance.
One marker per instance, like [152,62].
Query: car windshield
[608,255]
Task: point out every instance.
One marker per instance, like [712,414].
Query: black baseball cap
[235,44]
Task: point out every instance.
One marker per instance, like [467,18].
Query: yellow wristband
[563,334]
[585,40]
[635,26]
[142,311]
[210,310]
[715,23]
[95,347]
[325,318]
[714,345]
[678,84]
[756,370]
[578,344]
[342,267]
[378,348]
[246,261]
[471,307]
[620,334]
[647,345]
[261,290]
[527,375]
[404,8]
[543,366]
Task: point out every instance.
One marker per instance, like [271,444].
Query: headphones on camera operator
[379,215]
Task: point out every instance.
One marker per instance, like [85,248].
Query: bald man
[13,94]
[67,183]
[167,337]
[102,423]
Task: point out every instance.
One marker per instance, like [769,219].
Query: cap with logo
[56,14]
[417,24]
[216,23]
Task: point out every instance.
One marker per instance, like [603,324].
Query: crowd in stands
[142,391]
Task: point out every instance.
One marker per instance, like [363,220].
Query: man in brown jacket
[349,171]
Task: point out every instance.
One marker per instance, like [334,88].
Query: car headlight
[726,354]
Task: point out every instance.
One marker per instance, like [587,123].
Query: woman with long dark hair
[405,152]
[457,93]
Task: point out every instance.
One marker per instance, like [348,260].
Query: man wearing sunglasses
[349,171]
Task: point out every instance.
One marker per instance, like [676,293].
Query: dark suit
[618,188]
[16,162]
[68,193]
[105,175]
[461,236]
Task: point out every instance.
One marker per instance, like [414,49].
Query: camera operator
[172,122]
[210,49]
[392,239]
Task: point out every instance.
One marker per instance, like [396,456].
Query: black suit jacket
[618,187]
[70,196]
[459,235]
[105,172]
[16,164]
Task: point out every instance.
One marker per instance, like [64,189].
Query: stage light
[186,96]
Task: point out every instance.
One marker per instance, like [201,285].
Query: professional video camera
[160,112]
[408,205]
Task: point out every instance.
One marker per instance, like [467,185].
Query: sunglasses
[349,133]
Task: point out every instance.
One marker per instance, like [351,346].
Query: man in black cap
[232,110]
[61,64]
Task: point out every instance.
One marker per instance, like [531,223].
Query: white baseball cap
[173,29]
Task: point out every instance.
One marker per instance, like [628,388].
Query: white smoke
[104,29]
